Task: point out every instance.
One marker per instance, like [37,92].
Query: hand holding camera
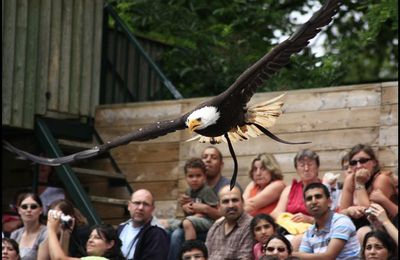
[59,217]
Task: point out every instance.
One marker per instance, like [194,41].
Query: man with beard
[333,236]
[140,239]
[230,237]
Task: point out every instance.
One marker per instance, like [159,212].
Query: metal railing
[65,173]
[129,73]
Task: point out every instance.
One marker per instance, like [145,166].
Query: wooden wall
[51,58]
[334,119]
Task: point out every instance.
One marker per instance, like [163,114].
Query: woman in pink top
[262,193]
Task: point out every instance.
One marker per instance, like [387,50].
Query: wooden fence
[334,119]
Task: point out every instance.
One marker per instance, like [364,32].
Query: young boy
[196,220]
[194,249]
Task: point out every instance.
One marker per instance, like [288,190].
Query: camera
[368,211]
[66,220]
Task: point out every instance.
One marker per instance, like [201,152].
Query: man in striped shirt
[333,235]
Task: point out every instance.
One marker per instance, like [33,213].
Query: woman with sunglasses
[278,245]
[366,184]
[33,231]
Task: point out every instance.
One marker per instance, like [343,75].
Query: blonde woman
[262,193]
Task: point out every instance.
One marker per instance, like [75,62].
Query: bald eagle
[225,116]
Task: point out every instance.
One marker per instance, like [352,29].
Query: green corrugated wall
[51,58]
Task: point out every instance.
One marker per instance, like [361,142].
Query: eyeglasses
[361,161]
[189,257]
[272,249]
[31,206]
[138,203]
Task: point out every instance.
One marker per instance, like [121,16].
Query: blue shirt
[337,226]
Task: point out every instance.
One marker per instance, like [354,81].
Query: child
[195,220]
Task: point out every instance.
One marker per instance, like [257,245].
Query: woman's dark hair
[108,234]
[368,150]
[13,243]
[194,244]
[259,217]
[317,185]
[26,195]
[283,239]
[306,153]
[386,240]
[65,206]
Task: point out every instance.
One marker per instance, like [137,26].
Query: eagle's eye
[198,119]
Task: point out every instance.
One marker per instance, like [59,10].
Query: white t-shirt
[129,238]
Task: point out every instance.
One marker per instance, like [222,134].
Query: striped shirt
[238,244]
[337,226]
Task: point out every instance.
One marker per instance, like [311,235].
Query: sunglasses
[190,257]
[31,206]
[361,161]
[272,249]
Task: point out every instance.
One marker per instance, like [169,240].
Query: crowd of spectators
[347,215]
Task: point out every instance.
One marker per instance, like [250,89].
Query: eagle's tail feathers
[266,113]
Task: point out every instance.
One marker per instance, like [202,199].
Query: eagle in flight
[225,117]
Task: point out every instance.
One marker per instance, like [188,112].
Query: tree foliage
[213,42]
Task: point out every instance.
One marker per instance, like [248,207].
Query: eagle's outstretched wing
[142,134]
[247,83]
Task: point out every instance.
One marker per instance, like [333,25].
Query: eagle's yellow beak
[193,124]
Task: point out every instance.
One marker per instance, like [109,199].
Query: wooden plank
[54,56]
[165,208]
[165,190]
[390,94]
[43,56]
[324,99]
[388,156]
[9,29]
[87,56]
[327,120]
[20,61]
[97,42]
[136,113]
[389,115]
[142,152]
[76,52]
[106,200]
[154,171]
[65,55]
[31,63]
[321,140]
[388,135]
[110,133]
[109,175]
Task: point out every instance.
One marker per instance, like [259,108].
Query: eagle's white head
[202,118]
